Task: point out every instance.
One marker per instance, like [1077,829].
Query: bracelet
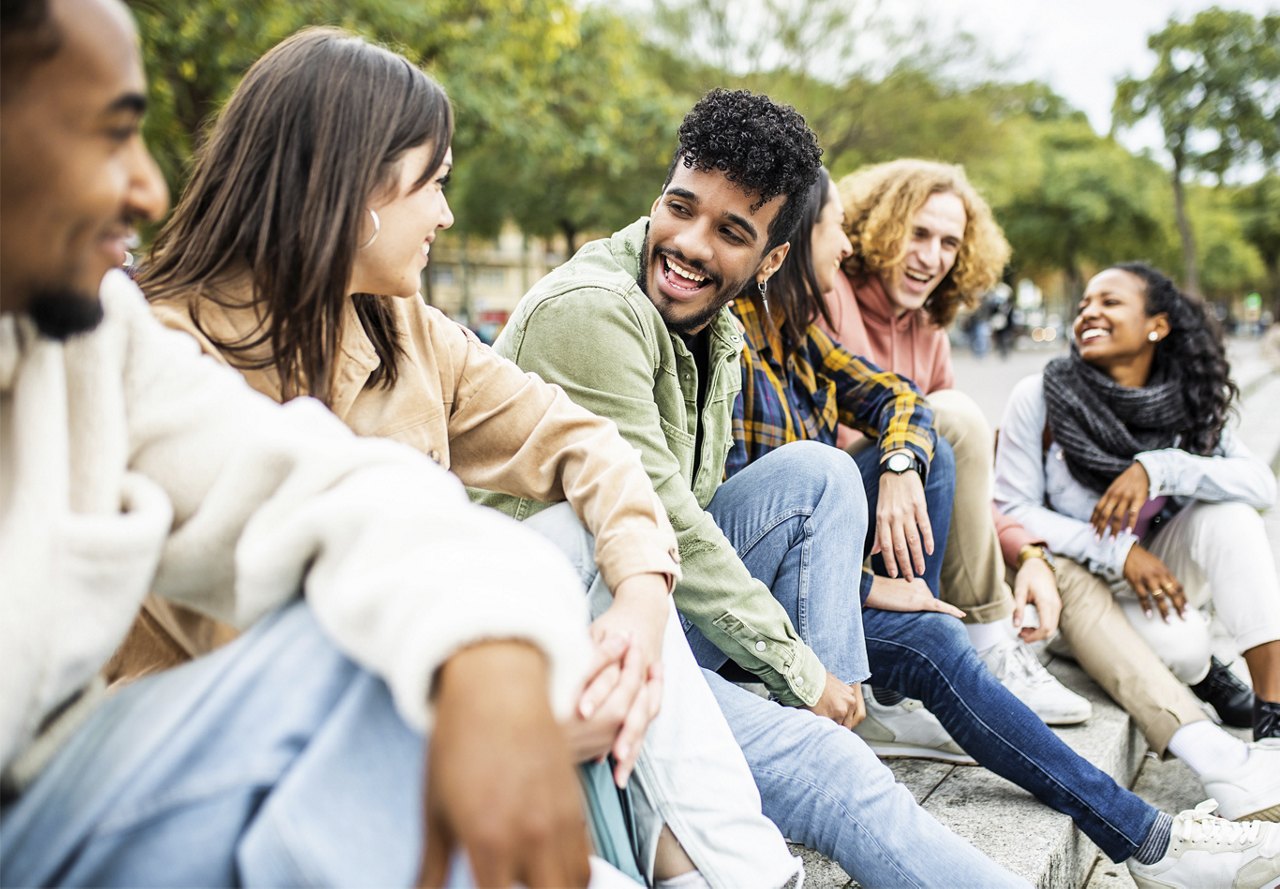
[1036,551]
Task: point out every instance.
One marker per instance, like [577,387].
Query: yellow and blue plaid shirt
[821,385]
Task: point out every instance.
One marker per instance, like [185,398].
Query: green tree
[591,150]
[1259,207]
[1091,203]
[487,53]
[1215,90]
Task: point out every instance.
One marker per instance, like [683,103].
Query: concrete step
[1004,821]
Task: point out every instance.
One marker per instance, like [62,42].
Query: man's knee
[829,471]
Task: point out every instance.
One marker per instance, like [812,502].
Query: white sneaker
[907,729]
[1250,792]
[1207,852]
[1026,678]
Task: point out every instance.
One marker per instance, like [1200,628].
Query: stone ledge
[1005,822]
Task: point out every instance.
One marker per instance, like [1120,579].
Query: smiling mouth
[918,277]
[1092,333]
[680,278]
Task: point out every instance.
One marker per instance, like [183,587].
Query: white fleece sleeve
[399,567]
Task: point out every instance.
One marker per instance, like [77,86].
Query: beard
[725,294]
[61,313]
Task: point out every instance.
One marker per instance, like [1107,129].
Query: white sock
[691,880]
[985,636]
[1205,747]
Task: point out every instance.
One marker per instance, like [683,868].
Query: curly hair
[879,203]
[1193,353]
[764,147]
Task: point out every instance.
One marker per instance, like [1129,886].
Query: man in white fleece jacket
[129,464]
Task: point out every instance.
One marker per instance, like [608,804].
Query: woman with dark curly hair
[1121,458]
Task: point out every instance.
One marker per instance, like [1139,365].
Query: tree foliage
[1215,91]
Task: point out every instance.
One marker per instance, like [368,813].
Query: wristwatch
[901,462]
[1036,551]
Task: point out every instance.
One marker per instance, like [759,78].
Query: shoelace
[1199,826]
[1018,659]
[1268,725]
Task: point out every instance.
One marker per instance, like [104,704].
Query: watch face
[899,463]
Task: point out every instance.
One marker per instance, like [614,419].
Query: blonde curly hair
[879,203]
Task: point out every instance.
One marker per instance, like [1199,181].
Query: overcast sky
[1080,47]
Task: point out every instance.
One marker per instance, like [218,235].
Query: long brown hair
[281,189]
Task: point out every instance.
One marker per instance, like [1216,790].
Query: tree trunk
[1191,268]
[570,232]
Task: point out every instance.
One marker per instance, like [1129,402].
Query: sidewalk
[1003,821]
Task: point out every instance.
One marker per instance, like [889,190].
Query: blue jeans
[792,516]
[928,655]
[924,655]
[273,761]
[939,487]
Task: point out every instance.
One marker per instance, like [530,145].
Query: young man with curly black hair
[635,328]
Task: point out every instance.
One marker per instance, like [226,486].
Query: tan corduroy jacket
[473,412]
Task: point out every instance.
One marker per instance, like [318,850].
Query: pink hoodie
[911,345]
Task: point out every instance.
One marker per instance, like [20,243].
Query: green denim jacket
[589,327]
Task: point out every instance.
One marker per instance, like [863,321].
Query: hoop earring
[377,228]
[763,287]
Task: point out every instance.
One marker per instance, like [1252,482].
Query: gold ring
[1157,593]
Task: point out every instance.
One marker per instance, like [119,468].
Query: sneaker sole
[1068,719]
[1268,814]
[905,751]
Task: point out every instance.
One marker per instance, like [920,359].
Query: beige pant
[972,566]
[1116,656]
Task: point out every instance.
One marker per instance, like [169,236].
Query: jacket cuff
[804,683]
[639,552]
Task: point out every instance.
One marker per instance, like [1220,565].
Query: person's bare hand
[502,785]
[1154,584]
[1035,584]
[903,532]
[841,703]
[1118,507]
[896,594]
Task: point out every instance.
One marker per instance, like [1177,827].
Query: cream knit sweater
[130,463]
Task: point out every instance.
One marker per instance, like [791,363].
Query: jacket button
[760,646]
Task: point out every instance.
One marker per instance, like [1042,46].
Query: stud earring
[1153,336]
[377,228]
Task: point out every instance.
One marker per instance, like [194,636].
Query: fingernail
[623,752]
[1147,612]
[586,709]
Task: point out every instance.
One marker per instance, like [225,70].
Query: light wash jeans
[927,655]
[796,516]
[274,761]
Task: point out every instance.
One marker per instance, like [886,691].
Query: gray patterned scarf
[1102,425]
